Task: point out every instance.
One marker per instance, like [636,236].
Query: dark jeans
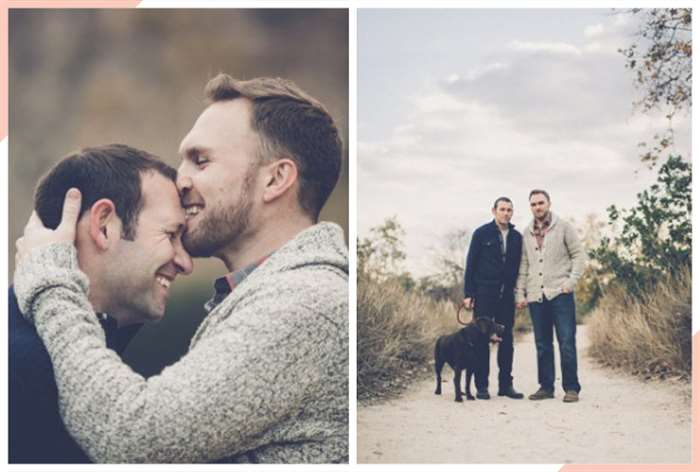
[558,313]
[501,309]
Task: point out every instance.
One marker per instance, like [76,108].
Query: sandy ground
[619,419]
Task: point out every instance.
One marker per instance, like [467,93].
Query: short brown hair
[501,199]
[293,124]
[536,191]
[113,171]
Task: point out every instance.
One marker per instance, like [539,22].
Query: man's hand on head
[468,303]
[36,235]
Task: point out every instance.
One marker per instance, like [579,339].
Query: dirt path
[618,420]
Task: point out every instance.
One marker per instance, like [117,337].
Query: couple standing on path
[540,269]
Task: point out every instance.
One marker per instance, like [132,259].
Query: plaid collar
[541,226]
[223,286]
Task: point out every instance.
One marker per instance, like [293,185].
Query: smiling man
[266,376]
[128,244]
[553,260]
[489,288]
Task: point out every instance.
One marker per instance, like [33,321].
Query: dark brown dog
[461,351]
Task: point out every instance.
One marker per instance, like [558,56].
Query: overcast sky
[458,107]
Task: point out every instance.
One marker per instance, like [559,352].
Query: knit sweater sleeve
[215,402]
[577,254]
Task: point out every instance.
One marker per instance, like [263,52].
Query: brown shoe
[571,396]
[541,394]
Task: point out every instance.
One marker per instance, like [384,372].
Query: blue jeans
[558,313]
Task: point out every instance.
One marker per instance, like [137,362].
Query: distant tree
[381,255]
[449,258]
[447,279]
[656,237]
[589,288]
[661,58]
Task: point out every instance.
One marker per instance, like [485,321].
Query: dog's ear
[484,325]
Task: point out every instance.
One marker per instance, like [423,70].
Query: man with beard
[553,260]
[265,379]
[128,244]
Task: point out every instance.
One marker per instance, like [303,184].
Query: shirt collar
[117,338]
[546,222]
[223,286]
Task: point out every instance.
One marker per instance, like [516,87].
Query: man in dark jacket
[491,271]
[129,245]
[37,434]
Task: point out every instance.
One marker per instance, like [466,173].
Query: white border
[353,5]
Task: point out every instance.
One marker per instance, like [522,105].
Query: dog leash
[460,307]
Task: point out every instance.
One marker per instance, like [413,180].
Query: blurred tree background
[90,77]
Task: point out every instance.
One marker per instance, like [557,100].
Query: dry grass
[396,333]
[651,337]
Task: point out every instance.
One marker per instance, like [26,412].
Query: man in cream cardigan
[552,262]
[266,377]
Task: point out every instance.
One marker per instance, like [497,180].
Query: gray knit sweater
[546,272]
[265,378]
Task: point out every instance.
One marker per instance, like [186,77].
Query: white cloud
[593,30]
[546,47]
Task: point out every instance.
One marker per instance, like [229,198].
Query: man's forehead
[160,197]
[218,124]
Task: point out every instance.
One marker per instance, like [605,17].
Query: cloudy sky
[458,107]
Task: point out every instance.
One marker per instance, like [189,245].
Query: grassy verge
[396,332]
[651,337]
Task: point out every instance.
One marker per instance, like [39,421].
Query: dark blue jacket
[487,272]
[36,431]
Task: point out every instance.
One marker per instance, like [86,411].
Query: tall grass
[651,336]
[396,333]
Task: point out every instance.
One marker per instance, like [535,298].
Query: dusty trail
[619,420]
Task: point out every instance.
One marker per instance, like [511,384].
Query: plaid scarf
[540,228]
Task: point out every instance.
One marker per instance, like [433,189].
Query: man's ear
[104,224]
[280,175]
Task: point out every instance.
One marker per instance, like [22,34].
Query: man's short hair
[290,123]
[536,191]
[501,199]
[113,171]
